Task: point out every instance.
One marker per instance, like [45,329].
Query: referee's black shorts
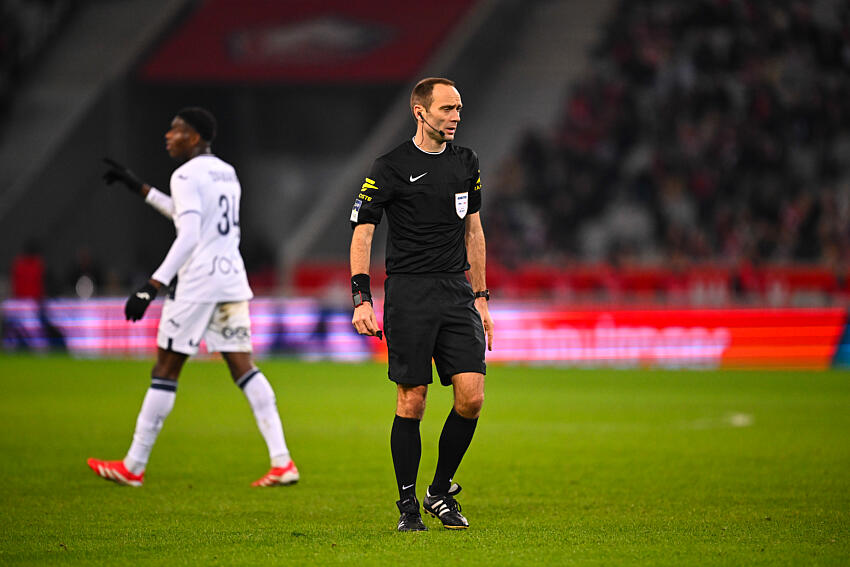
[432,316]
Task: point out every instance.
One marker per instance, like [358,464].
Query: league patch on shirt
[461,203]
[355,210]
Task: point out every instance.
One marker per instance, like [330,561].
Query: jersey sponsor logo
[355,210]
[418,177]
[223,265]
[370,184]
[236,333]
[461,203]
[477,186]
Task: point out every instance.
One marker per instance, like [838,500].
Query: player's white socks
[261,397]
[157,405]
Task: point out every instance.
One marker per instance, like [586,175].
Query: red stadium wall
[700,284]
[536,333]
[286,41]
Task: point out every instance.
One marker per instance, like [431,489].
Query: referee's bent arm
[361,250]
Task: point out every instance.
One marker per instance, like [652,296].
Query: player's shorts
[432,316]
[226,327]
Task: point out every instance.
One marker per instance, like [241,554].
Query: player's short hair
[201,120]
[423,92]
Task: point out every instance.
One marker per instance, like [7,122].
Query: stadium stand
[704,158]
[706,136]
[700,156]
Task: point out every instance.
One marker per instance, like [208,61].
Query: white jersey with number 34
[214,272]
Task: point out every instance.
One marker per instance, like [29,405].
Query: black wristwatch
[360,298]
[484,293]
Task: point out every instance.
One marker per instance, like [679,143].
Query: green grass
[573,467]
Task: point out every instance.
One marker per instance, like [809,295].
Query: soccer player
[431,191]
[209,301]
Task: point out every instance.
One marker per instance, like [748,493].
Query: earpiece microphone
[440,132]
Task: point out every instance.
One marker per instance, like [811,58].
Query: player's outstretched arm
[476,250]
[121,174]
[364,319]
[153,197]
[160,201]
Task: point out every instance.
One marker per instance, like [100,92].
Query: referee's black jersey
[427,197]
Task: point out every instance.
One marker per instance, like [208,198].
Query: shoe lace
[451,503]
[409,518]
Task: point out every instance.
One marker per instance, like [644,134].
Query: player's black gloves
[118,172]
[138,302]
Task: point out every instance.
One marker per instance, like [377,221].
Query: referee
[431,191]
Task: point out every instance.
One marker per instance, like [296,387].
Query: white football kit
[211,297]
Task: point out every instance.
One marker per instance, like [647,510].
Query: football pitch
[568,467]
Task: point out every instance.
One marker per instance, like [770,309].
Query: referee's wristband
[360,298]
[360,292]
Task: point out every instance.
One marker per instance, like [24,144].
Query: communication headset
[440,132]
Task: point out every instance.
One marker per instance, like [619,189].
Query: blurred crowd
[704,131]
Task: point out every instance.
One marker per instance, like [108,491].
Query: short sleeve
[373,196]
[475,192]
[184,192]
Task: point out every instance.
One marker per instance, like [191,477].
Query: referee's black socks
[406,446]
[454,441]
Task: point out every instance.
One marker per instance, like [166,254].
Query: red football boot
[279,476]
[116,472]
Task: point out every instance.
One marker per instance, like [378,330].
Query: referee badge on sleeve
[355,210]
[461,203]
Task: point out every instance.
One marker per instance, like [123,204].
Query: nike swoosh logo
[408,486]
[412,179]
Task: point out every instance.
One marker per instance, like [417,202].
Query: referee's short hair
[423,92]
